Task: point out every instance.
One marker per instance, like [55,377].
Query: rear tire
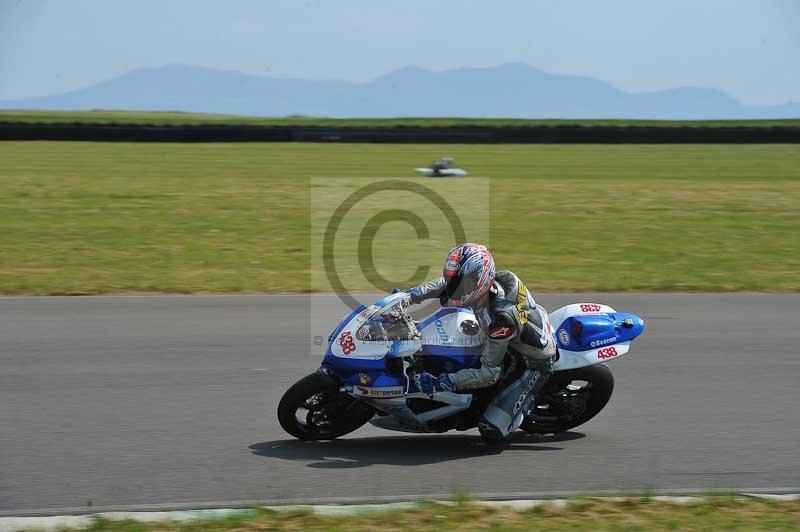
[565,404]
[315,409]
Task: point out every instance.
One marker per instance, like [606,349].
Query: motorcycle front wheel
[315,409]
[570,398]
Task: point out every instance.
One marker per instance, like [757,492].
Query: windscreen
[389,324]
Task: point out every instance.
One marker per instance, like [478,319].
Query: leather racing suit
[511,320]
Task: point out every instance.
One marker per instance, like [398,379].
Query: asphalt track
[136,401]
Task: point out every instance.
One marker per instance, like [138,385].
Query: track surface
[144,400]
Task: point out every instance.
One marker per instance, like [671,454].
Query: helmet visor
[460,288]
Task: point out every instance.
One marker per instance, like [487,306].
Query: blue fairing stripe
[347,366]
[449,350]
[438,315]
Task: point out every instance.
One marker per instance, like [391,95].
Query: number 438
[346,343]
[607,352]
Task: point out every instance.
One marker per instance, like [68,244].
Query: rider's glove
[427,383]
[445,384]
[398,313]
[406,295]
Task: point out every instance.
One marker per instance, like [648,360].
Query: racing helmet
[468,274]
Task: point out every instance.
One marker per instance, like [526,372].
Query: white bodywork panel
[402,419]
[447,331]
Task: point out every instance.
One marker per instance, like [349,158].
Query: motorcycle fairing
[401,418]
[365,356]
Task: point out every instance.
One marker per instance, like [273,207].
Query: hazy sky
[750,48]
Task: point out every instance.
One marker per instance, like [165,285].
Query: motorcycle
[367,371]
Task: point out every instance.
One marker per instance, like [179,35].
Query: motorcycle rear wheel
[569,399]
[315,409]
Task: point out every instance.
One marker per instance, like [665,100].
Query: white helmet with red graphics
[468,274]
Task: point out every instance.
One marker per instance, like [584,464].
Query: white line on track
[57,522]
[322,501]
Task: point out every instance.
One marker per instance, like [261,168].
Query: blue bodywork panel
[591,331]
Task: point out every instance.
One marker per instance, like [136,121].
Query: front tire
[570,398]
[315,409]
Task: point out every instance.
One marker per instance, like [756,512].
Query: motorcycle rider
[509,316]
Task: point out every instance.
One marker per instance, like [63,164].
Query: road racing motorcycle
[367,372]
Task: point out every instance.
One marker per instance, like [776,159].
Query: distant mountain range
[513,90]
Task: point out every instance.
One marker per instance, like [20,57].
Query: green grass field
[89,218]
[593,515]
[178,118]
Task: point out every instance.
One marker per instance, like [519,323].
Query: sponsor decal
[347,343]
[363,333]
[363,378]
[590,307]
[500,332]
[607,352]
[377,393]
[524,395]
[442,332]
[604,341]
[469,327]
[522,304]
[563,336]
[451,267]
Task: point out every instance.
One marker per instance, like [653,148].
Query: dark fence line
[401,134]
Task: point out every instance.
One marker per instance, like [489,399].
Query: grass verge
[180,118]
[91,218]
[580,515]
